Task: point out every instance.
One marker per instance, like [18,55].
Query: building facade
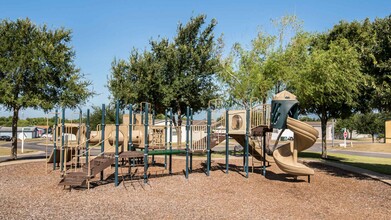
[27,132]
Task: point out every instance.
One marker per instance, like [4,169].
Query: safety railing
[260,115]
[198,137]
[157,136]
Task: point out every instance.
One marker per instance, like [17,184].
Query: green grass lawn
[5,151]
[380,165]
[372,147]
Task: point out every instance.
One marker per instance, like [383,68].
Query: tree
[382,63]
[37,70]
[306,118]
[253,73]
[96,115]
[174,74]
[370,123]
[372,42]
[349,123]
[244,72]
[289,27]
[328,83]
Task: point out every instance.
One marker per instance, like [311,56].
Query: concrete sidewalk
[13,162]
[374,175]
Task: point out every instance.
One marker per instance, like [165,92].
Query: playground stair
[255,149]
[97,165]
[215,139]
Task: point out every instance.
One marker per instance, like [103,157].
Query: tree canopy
[244,73]
[174,74]
[96,115]
[328,83]
[264,68]
[364,123]
[37,70]
[373,45]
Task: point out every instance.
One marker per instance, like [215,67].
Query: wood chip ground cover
[26,192]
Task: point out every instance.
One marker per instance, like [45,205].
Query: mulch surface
[27,192]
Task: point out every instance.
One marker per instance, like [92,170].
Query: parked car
[5,138]
[46,136]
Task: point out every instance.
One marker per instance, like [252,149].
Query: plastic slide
[256,151]
[286,155]
[253,148]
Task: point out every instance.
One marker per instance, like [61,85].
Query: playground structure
[284,115]
[138,137]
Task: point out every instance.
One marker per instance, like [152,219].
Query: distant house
[316,124]
[28,132]
[329,131]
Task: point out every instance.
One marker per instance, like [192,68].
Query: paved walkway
[12,162]
[374,175]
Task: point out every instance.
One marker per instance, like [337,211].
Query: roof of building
[284,95]
[25,129]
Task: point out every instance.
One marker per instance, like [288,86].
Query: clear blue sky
[106,29]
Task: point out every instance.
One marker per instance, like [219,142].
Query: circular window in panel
[237,122]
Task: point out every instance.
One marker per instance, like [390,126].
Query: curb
[28,154]
[7,163]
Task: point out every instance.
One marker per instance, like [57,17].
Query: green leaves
[37,70]
[36,67]
[172,74]
[252,74]
[329,80]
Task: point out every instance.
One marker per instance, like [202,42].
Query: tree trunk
[323,122]
[14,148]
[373,138]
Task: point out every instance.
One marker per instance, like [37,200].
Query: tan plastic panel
[284,156]
[237,121]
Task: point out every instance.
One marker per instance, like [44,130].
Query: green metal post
[55,140]
[187,140]
[191,139]
[102,125]
[153,123]
[146,144]
[247,140]
[130,142]
[170,156]
[165,138]
[226,142]
[264,153]
[87,135]
[153,117]
[116,142]
[62,139]
[208,161]
[78,137]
